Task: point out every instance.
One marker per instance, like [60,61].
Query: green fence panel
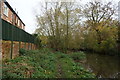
[11,32]
[6,31]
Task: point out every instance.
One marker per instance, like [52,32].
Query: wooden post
[19,45]
[25,45]
[28,46]
[11,43]
[11,50]
[31,46]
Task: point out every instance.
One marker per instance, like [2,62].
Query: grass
[44,64]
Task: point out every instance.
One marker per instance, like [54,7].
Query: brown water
[103,66]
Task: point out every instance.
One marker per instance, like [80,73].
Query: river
[103,66]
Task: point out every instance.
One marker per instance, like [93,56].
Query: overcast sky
[27,10]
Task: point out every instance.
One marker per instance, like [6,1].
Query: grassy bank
[45,63]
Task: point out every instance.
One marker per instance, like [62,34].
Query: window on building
[22,26]
[12,18]
[5,9]
[16,20]
[18,23]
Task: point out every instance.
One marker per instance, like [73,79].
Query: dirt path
[60,73]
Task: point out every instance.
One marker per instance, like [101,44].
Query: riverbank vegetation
[71,26]
[45,63]
[64,31]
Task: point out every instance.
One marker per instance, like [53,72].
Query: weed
[43,64]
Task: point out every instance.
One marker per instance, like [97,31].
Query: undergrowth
[44,64]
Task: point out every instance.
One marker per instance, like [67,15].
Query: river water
[103,66]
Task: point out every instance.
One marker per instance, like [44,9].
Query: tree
[57,23]
[101,27]
[97,14]
[62,28]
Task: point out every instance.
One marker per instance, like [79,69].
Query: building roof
[13,10]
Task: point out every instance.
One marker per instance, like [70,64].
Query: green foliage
[105,43]
[43,64]
[77,55]
[17,68]
[70,69]
[35,64]
[37,41]
[22,51]
[62,30]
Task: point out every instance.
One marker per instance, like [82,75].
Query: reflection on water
[103,66]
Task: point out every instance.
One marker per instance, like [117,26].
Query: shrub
[22,51]
[77,56]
